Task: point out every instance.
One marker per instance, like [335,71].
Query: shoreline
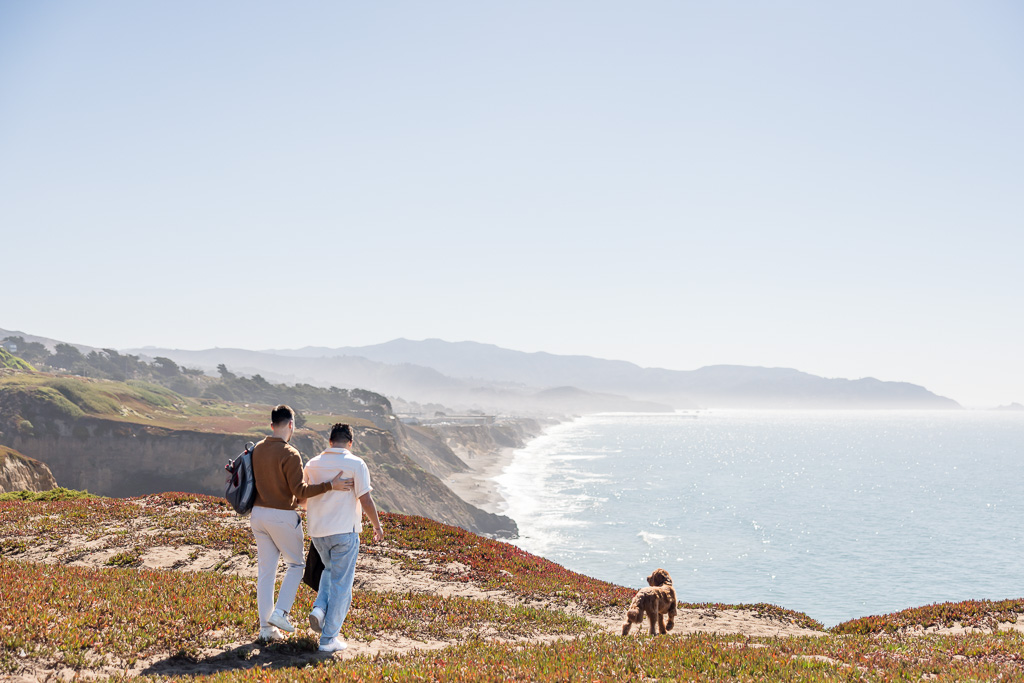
[477,485]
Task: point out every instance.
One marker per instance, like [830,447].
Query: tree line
[193,382]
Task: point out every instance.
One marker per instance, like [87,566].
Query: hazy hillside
[338,370]
[732,386]
[470,375]
[45,341]
[410,381]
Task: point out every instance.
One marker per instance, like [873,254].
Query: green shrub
[13,362]
[46,401]
[127,558]
[90,398]
[59,493]
[154,394]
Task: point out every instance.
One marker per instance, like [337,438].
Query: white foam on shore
[534,487]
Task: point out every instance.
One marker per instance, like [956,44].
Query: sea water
[835,514]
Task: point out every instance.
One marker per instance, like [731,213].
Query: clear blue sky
[835,187]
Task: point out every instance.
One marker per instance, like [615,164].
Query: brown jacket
[277,467]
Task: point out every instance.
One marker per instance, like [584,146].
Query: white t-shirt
[336,512]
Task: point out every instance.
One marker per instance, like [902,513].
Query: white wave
[651,538]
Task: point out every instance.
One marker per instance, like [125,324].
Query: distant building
[460,420]
[442,419]
[11,347]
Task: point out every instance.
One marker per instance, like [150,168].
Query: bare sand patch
[477,486]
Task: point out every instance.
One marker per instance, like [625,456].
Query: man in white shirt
[334,521]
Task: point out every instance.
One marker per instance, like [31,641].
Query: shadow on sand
[295,652]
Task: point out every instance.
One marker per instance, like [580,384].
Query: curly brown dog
[658,599]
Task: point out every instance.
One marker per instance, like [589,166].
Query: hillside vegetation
[163,586]
[109,364]
[10,362]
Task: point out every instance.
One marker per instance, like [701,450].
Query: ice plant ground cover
[80,616]
[981,614]
[128,524]
[116,616]
[695,657]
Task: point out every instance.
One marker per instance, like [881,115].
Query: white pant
[277,532]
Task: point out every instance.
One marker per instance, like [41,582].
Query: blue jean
[334,597]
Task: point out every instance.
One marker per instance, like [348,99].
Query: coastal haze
[471,375]
[483,376]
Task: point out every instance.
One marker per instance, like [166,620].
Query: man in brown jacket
[277,468]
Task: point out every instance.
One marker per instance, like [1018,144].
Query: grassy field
[119,617]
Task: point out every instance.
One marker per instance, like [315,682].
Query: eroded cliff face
[120,459]
[18,472]
[472,441]
[430,450]
[402,485]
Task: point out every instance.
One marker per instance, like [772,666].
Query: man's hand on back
[341,484]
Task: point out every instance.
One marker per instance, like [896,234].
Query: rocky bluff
[19,472]
[116,458]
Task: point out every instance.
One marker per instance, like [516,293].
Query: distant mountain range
[471,375]
[474,375]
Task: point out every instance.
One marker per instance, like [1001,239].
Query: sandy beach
[477,486]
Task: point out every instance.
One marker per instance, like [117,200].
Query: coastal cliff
[400,484]
[444,449]
[18,472]
[470,442]
[120,459]
[120,440]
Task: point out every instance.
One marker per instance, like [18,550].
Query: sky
[833,187]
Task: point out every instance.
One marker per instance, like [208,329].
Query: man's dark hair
[281,414]
[341,433]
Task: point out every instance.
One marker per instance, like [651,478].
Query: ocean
[836,514]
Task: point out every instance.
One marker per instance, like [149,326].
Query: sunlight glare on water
[836,514]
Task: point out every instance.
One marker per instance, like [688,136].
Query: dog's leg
[671,616]
[633,616]
[652,614]
[661,624]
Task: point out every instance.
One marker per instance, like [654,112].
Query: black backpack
[240,488]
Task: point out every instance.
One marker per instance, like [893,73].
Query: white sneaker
[316,619]
[335,645]
[269,634]
[280,620]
